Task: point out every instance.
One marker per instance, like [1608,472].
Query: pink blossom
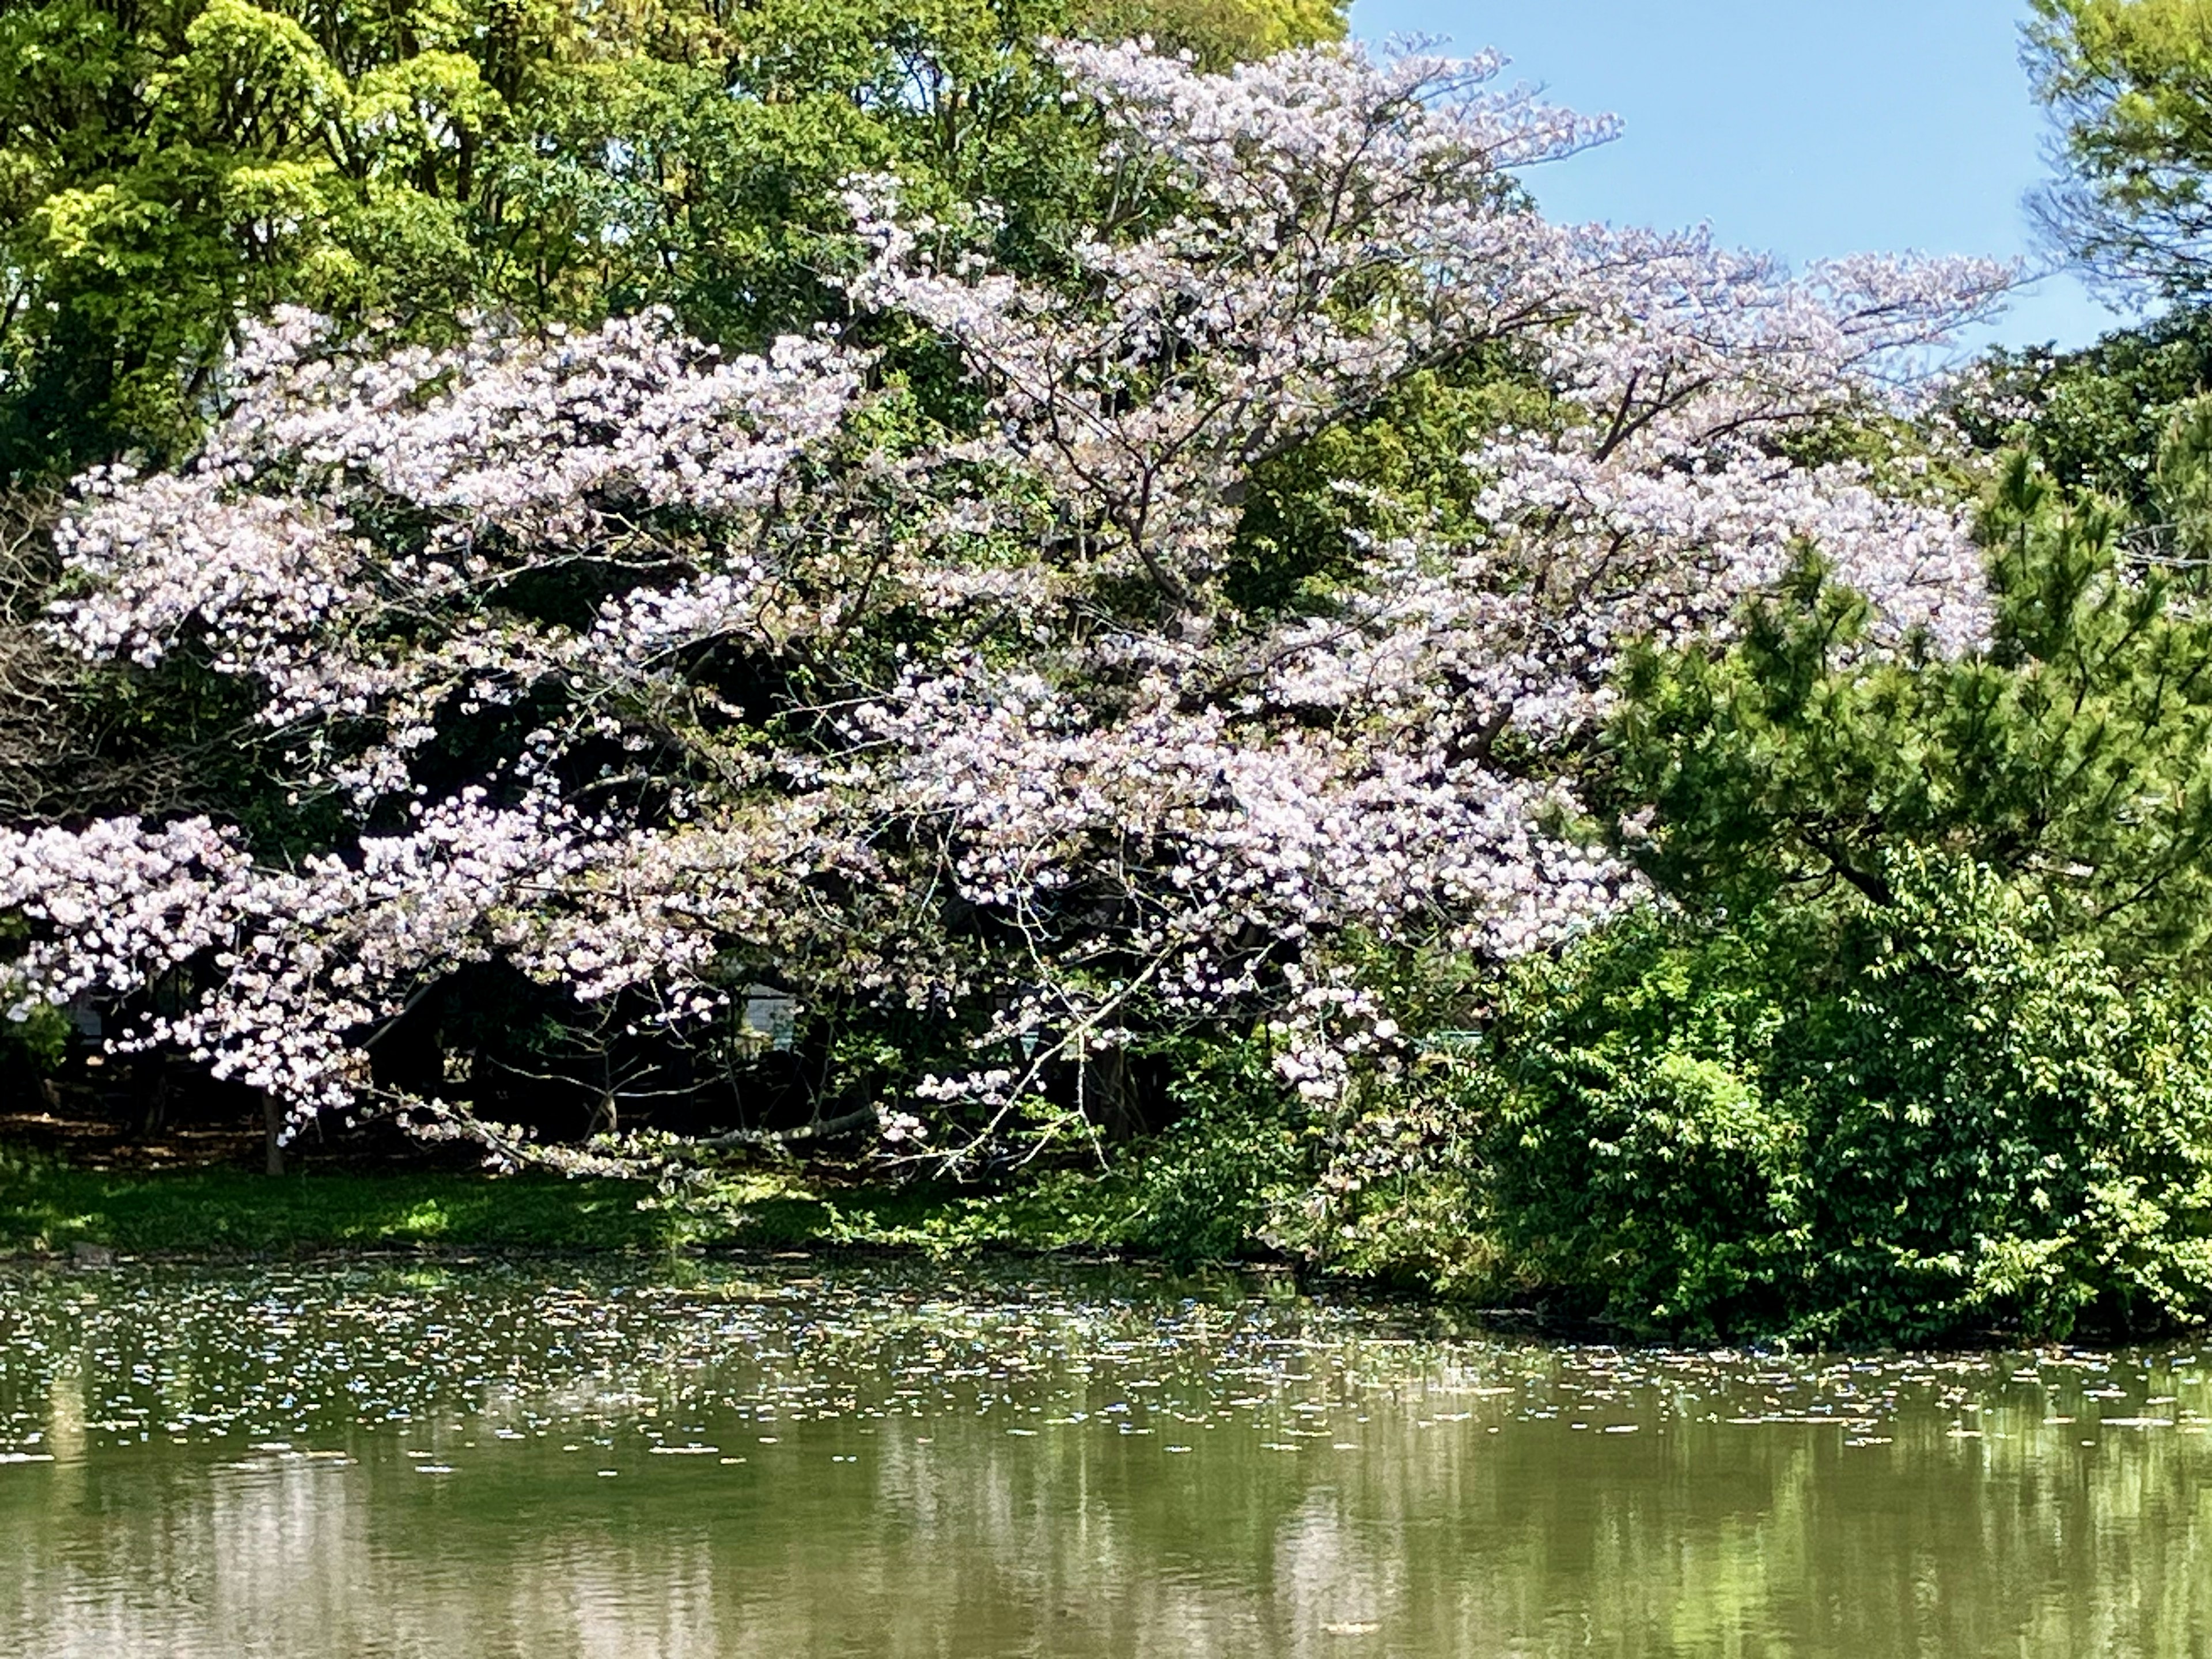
[995,669]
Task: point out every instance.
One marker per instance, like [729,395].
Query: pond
[800,1458]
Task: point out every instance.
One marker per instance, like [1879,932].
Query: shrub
[1213,1186]
[1859,1123]
[1636,1161]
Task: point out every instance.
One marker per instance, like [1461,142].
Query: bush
[1215,1184]
[2002,1129]
[1863,1123]
[1636,1161]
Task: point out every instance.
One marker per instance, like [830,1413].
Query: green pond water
[789,1458]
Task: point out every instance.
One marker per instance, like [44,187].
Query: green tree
[2129,84]
[167,166]
[2074,755]
[2092,419]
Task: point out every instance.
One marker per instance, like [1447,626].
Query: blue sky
[1805,130]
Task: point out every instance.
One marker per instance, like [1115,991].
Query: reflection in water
[787,1460]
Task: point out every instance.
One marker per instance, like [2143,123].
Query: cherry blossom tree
[652,673]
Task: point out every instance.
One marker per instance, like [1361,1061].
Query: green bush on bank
[1903,1123]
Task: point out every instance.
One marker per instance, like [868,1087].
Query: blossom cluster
[1004,744]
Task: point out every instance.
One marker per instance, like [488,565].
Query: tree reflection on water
[792,1460]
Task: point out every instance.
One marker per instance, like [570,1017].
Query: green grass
[48,1208]
[1056,1210]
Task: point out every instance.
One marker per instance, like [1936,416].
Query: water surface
[791,1459]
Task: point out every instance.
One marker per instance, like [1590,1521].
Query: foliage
[1213,1187]
[1961,903]
[2094,418]
[2074,754]
[1911,1121]
[1635,1160]
[169,170]
[2126,79]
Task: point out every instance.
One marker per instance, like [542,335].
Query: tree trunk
[150,1076]
[1109,1096]
[272,1126]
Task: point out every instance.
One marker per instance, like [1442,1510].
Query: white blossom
[997,671]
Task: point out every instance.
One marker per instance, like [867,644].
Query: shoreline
[54,1216]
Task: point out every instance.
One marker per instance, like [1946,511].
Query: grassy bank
[49,1208]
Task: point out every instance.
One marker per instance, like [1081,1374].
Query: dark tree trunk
[150,1076]
[1110,1095]
[272,1128]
